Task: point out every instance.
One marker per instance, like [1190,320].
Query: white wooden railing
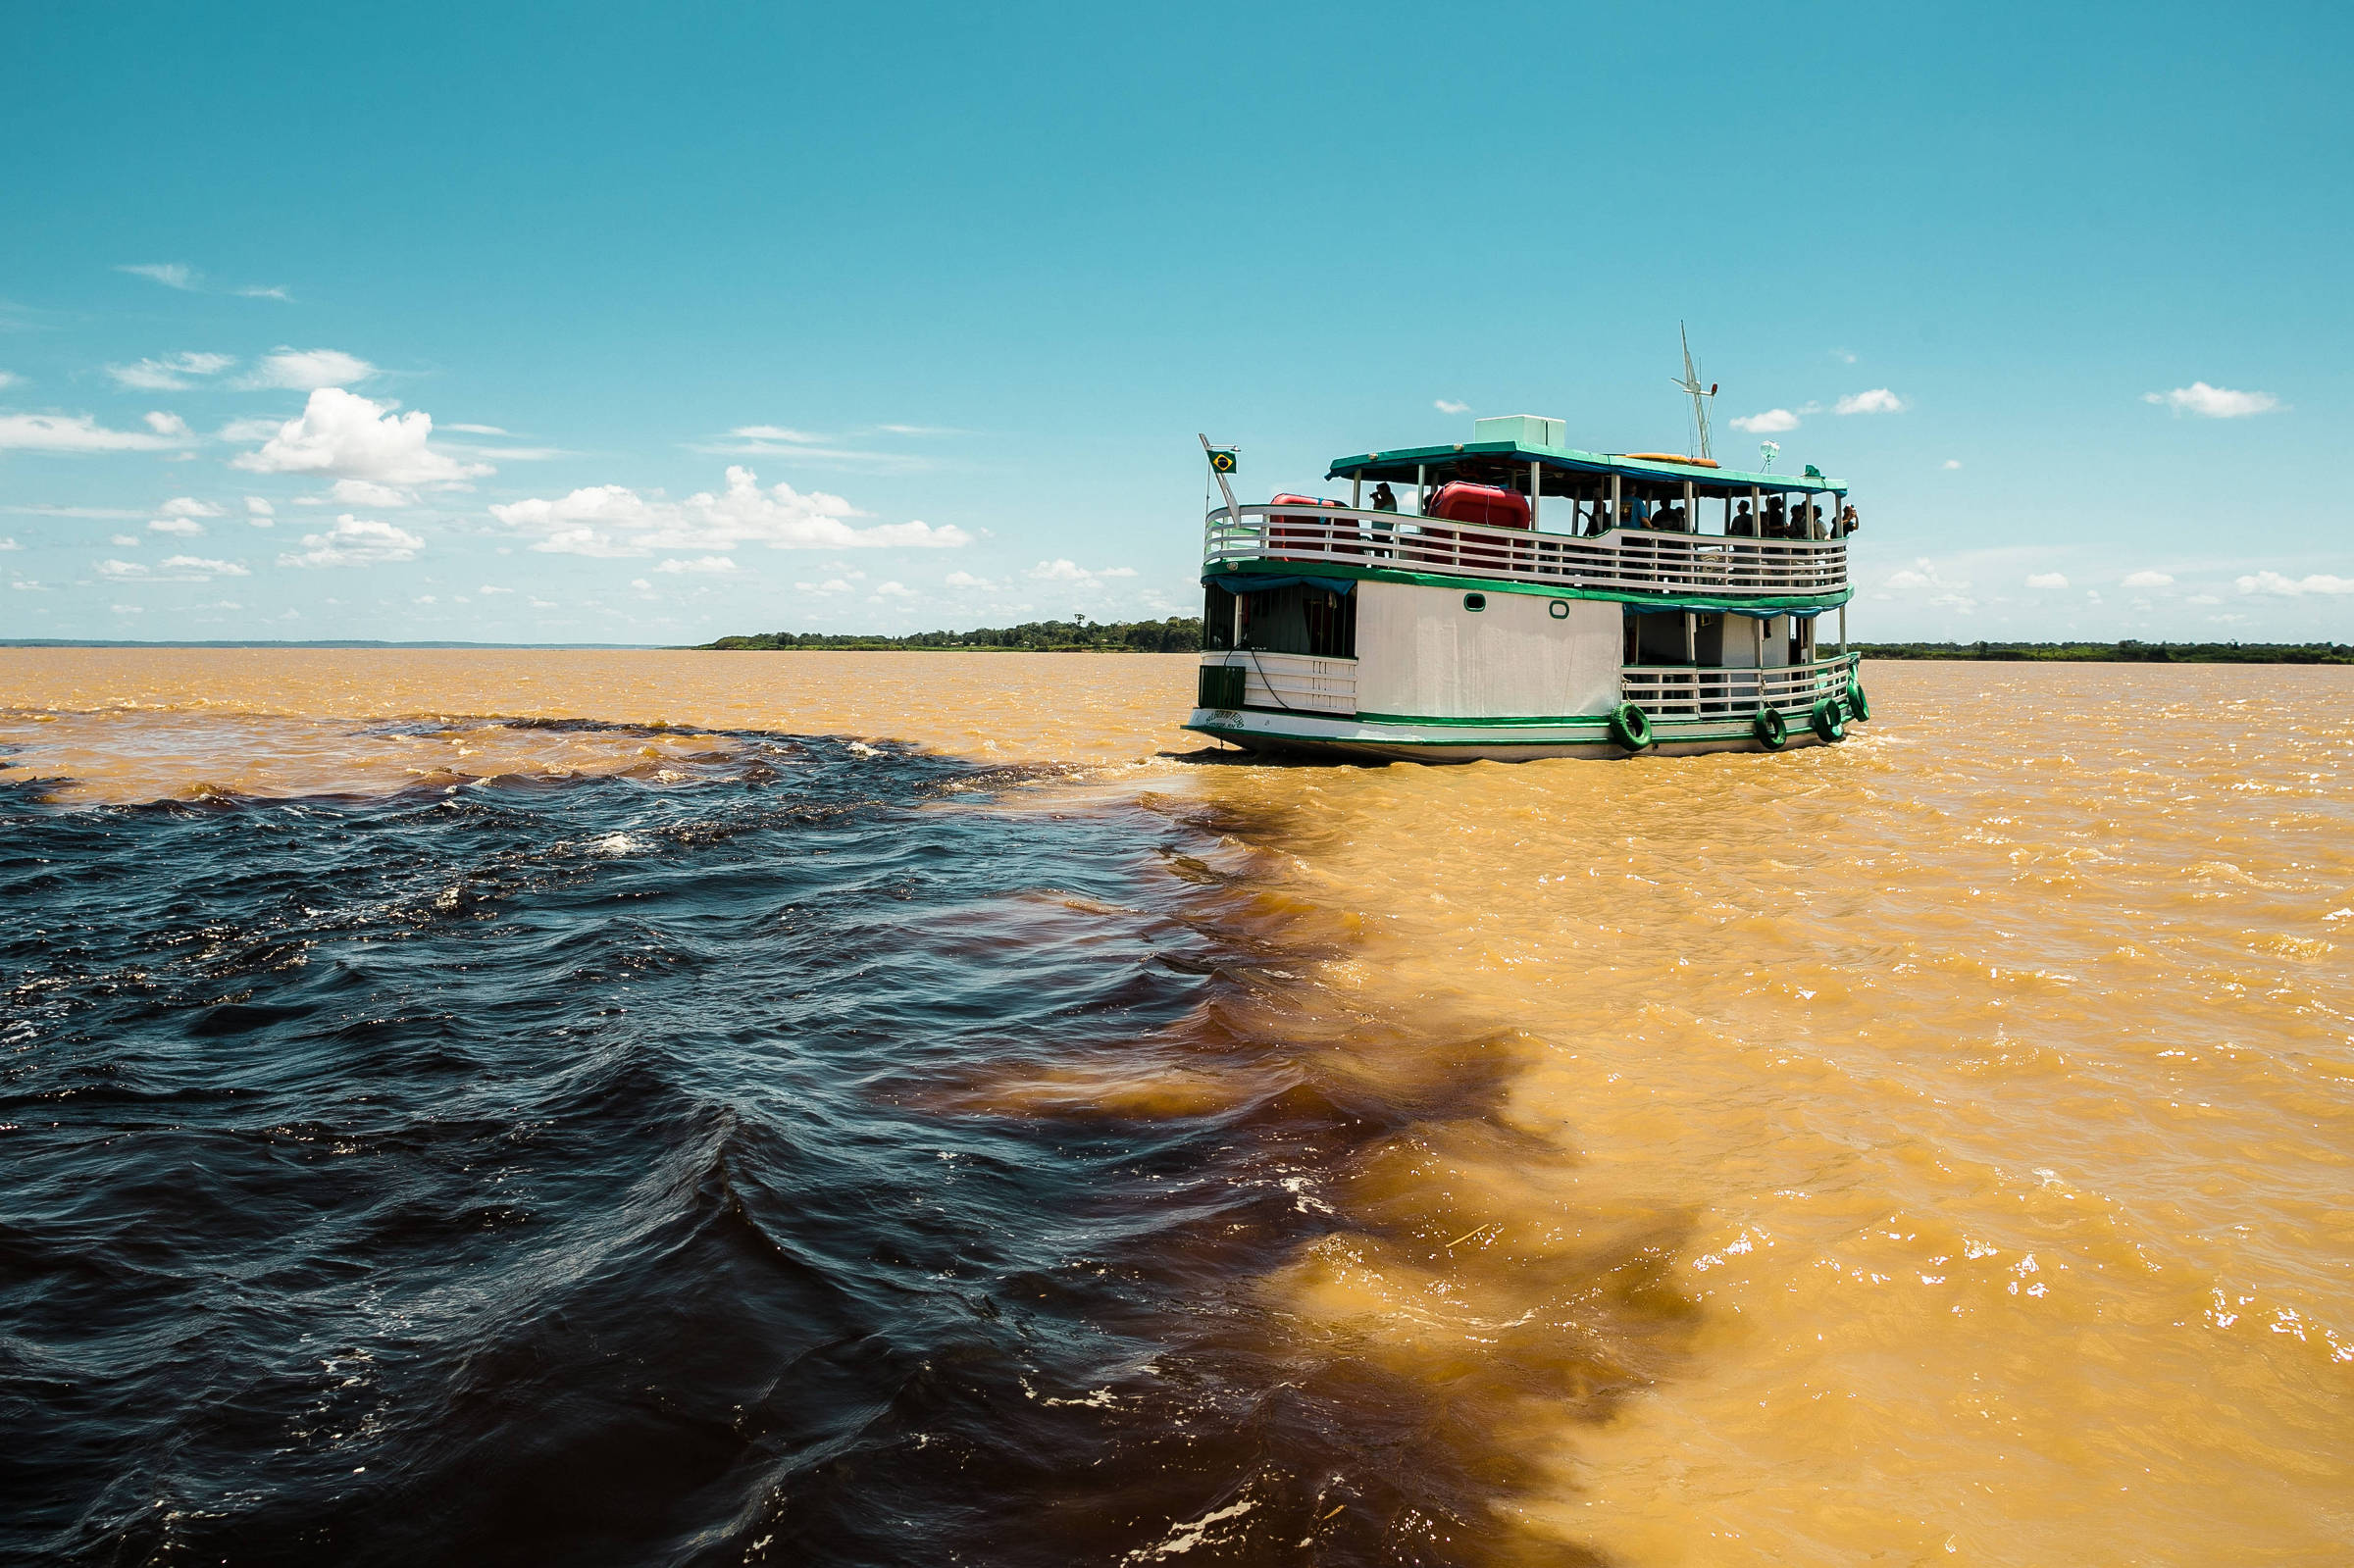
[1294,680]
[1623,558]
[1681,692]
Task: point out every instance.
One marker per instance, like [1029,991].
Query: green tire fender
[1630,726]
[1828,725]
[1771,728]
[1859,706]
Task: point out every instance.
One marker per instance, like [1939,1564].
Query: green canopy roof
[1489,461]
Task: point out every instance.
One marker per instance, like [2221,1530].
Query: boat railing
[1639,560]
[1686,692]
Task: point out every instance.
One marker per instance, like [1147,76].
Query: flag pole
[1234,510]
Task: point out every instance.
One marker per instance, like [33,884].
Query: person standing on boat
[1847,522]
[1385,499]
[1777,525]
[1743,526]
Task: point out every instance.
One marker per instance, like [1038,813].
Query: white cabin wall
[1420,653]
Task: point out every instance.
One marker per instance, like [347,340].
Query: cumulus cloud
[260,513]
[306,370]
[345,435]
[1953,463]
[1908,579]
[2213,402]
[367,492]
[355,542]
[173,569]
[187,506]
[895,590]
[1880,401]
[1065,571]
[2284,588]
[487,588]
[610,520]
[171,374]
[80,432]
[171,424]
[277,291]
[9,378]
[9,545]
[2046,580]
[172,275]
[185,526]
[706,562]
[965,579]
[2149,579]
[1766,424]
[1445,407]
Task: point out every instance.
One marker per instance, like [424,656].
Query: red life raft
[1459,502]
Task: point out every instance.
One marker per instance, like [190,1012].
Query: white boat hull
[1338,737]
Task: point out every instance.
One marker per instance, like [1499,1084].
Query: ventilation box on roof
[1524,430]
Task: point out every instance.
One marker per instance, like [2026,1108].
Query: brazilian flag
[1221,459]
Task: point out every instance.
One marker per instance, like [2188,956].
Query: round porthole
[1475,601]
[1558,609]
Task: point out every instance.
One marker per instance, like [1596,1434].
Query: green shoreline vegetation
[2126,653]
[1079,635]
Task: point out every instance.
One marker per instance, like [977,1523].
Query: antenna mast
[1699,394]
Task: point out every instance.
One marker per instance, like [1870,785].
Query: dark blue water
[597,1172]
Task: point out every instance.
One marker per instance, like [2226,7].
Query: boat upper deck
[1631,562]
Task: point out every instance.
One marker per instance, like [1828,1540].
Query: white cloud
[128,609]
[185,526]
[895,590]
[9,545]
[188,506]
[77,433]
[2274,584]
[2213,402]
[9,378]
[259,512]
[173,569]
[355,542]
[1445,407]
[610,520]
[367,492]
[171,424]
[965,579]
[1065,571]
[2046,580]
[1880,401]
[778,432]
[476,429]
[1845,356]
[707,563]
[2148,580]
[1767,422]
[239,431]
[127,541]
[487,588]
[307,370]
[172,275]
[1953,463]
[169,375]
[1908,579]
[829,586]
[344,434]
[277,291]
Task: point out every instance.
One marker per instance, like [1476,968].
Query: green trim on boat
[1571,720]
[1426,579]
[1401,462]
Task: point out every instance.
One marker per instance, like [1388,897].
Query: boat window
[1217,616]
[1475,601]
[1299,620]
[1558,609]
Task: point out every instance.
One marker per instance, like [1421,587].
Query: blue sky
[439,322]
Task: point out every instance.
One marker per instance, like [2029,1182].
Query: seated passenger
[1743,526]
[1385,499]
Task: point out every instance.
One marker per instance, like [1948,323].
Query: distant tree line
[2126,653]
[1079,635]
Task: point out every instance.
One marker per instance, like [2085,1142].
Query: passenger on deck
[1641,513]
[1815,524]
[1777,525]
[1743,526]
[1673,521]
[1385,499]
[1847,522]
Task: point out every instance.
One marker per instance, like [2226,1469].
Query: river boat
[1525,600]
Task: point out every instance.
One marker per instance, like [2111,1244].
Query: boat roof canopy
[1563,470]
